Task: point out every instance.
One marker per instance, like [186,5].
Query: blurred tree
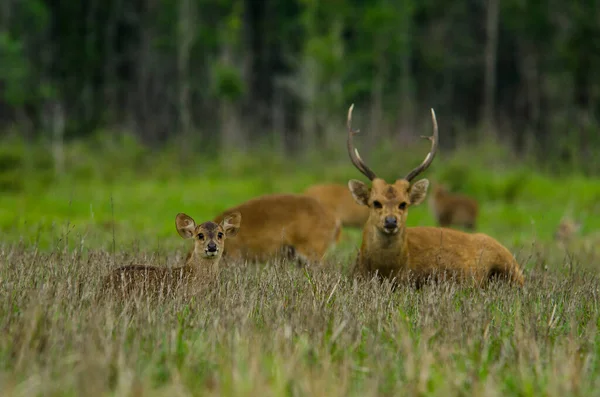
[489,78]
[285,71]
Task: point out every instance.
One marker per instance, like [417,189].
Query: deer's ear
[185,225]
[418,191]
[360,191]
[231,224]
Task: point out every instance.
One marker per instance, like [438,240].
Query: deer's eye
[201,236]
[402,205]
[377,204]
[220,235]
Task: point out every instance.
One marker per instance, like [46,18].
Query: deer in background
[453,209]
[202,263]
[418,254]
[338,200]
[291,226]
[568,235]
[566,230]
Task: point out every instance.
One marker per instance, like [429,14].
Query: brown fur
[337,199]
[201,265]
[422,253]
[283,225]
[453,209]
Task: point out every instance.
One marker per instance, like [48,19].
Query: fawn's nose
[390,222]
[211,247]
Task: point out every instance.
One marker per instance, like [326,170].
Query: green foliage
[14,72]
[507,186]
[228,83]
[19,75]
[19,161]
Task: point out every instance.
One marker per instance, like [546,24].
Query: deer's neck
[381,251]
[199,264]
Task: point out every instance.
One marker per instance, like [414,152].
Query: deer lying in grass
[419,253]
[202,263]
[283,225]
[453,209]
[338,200]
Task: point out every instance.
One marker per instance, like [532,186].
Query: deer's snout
[390,222]
[211,247]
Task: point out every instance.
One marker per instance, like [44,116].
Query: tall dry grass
[278,329]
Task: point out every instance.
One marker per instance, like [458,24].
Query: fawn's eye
[220,235]
[377,204]
[201,236]
[402,205]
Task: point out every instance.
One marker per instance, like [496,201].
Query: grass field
[275,329]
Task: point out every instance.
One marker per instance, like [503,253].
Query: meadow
[274,328]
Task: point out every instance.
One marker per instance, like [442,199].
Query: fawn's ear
[231,224]
[418,191]
[360,191]
[185,225]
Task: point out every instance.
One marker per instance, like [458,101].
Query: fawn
[202,263]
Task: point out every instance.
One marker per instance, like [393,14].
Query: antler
[353,152]
[429,158]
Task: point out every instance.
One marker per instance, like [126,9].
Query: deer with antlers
[419,254]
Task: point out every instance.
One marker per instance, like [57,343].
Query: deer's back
[448,249]
[338,199]
[272,221]
[451,202]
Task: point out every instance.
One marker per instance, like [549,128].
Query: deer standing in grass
[336,198]
[419,253]
[453,209]
[289,226]
[202,263]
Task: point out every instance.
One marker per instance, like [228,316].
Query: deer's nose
[390,222]
[211,247]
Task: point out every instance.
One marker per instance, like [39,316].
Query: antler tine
[353,152]
[429,158]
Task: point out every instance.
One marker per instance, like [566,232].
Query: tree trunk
[56,122]
[406,123]
[489,78]
[376,111]
[141,99]
[5,14]
[110,78]
[185,33]
[531,101]
[231,136]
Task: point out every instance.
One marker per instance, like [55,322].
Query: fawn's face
[388,203]
[209,237]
